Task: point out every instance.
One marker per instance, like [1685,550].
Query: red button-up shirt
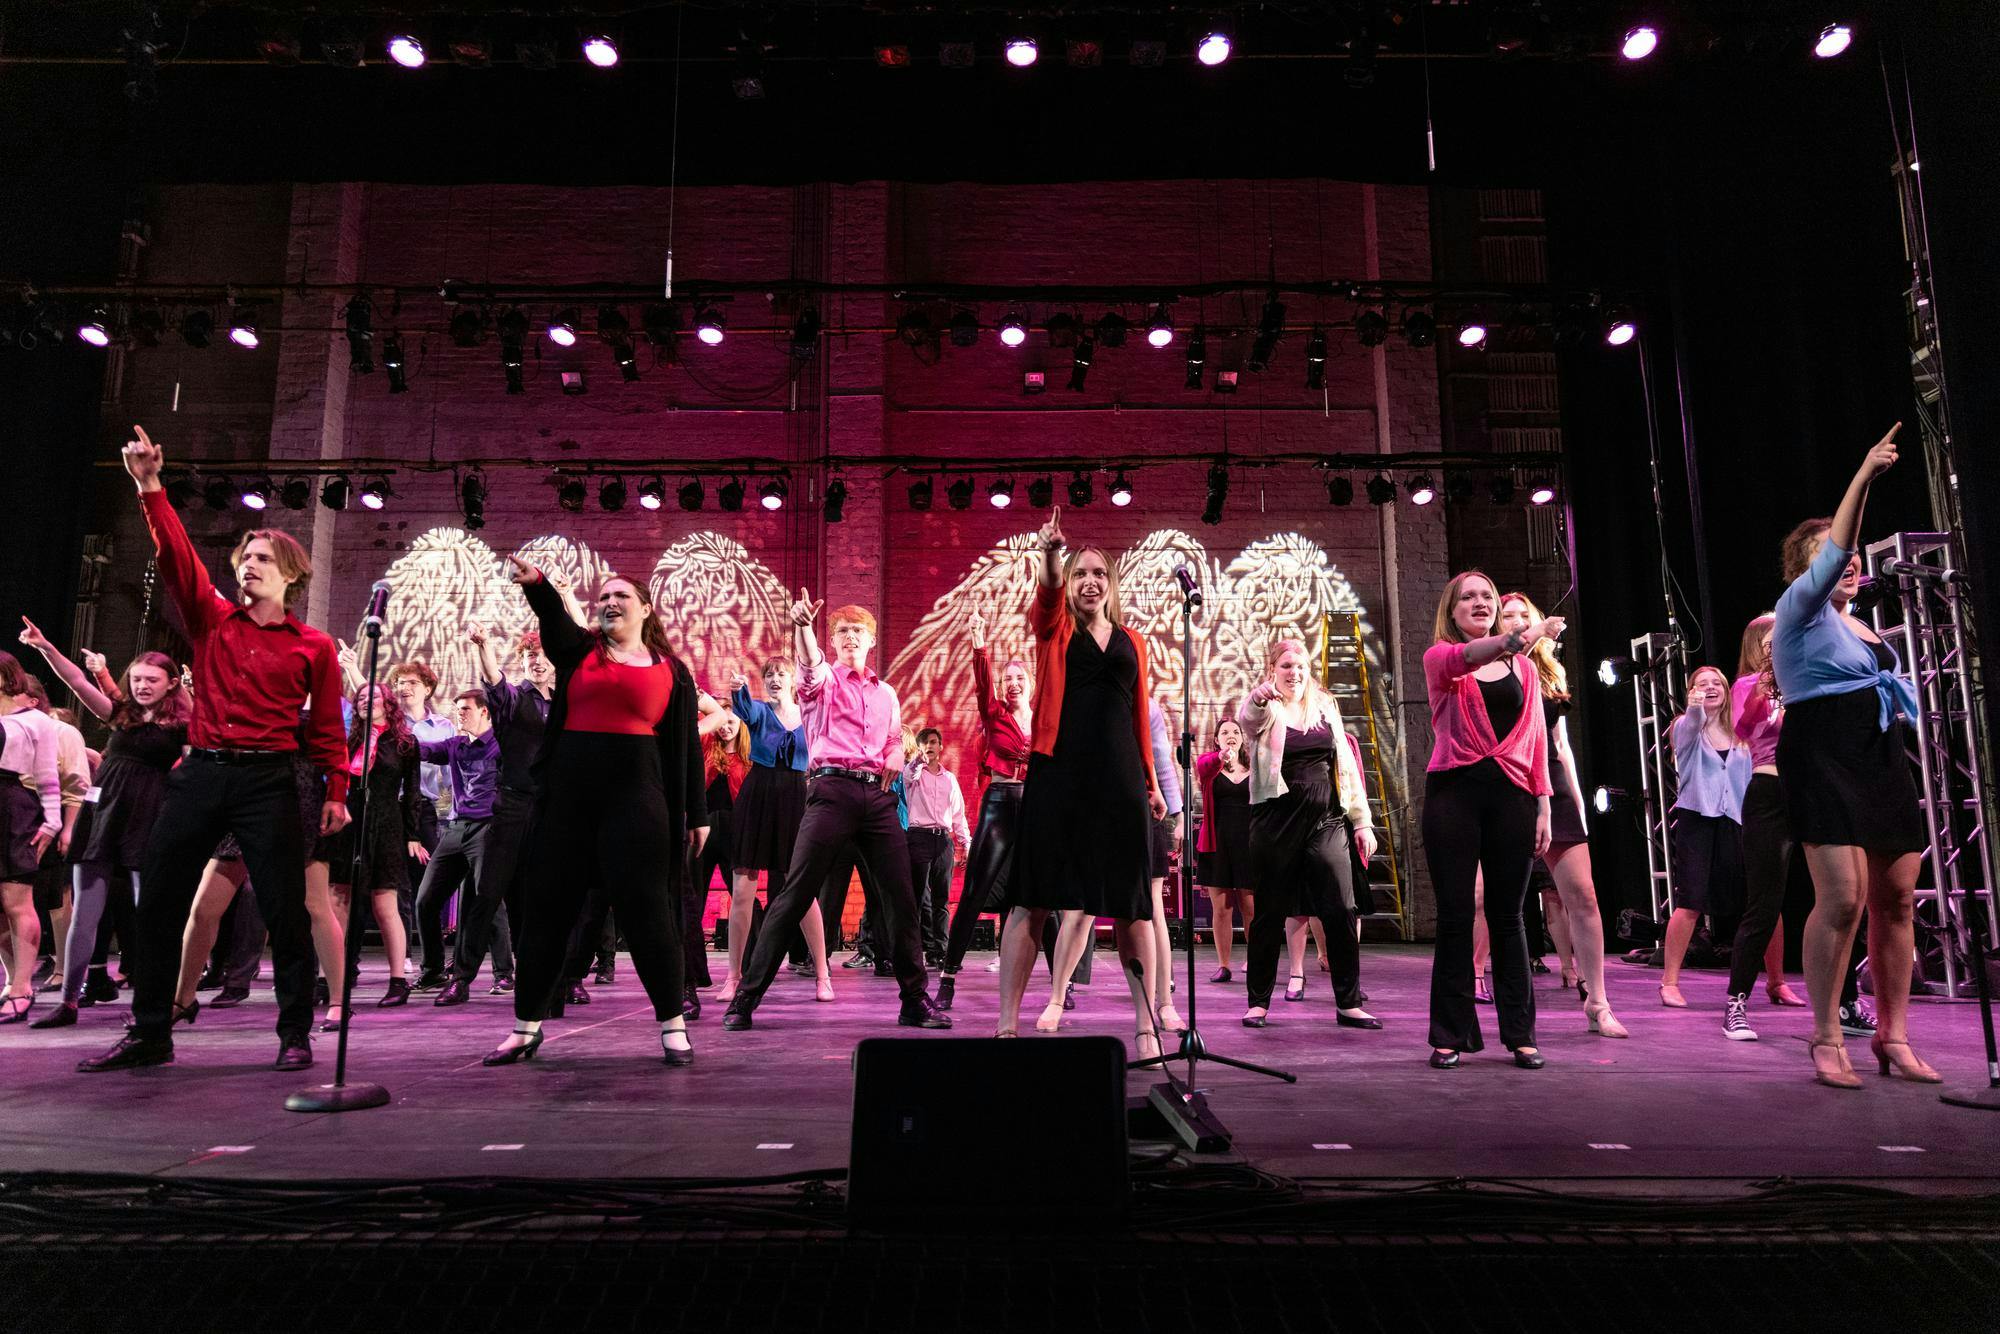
[250,680]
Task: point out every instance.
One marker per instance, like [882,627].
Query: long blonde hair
[1316,696]
[1555,680]
[1113,612]
[1728,710]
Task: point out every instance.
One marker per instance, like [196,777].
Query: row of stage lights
[260,493]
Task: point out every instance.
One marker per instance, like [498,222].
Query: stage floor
[1675,1110]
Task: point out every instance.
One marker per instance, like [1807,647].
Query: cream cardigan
[1267,756]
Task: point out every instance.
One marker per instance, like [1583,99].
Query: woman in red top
[621,790]
[1486,807]
[1086,817]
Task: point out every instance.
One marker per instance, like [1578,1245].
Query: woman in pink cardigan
[1486,807]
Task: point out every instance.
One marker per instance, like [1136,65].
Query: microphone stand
[1184,1106]
[341,1096]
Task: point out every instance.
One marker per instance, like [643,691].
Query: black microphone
[1913,570]
[1185,578]
[378,602]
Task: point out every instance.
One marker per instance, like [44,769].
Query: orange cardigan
[1053,625]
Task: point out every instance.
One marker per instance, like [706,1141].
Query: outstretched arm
[1048,572]
[72,675]
[805,644]
[489,656]
[1847,519]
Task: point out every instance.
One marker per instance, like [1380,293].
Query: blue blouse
[1814,653]
[1711,783]
[772,744]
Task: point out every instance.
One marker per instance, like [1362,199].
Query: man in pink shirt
[939,838]
[854,729]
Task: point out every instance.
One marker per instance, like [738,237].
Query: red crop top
[606,696]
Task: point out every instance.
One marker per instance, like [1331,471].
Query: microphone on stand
[378,602]
[1189,590]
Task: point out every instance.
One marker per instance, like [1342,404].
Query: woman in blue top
[1714,767]
[768,811]
[1847,779]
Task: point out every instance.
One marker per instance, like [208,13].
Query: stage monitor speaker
[974,1133]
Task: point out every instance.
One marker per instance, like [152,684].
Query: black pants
[987,867]
[602,820]
[702,866]
[1767,869]
[931,860]
[846,864]
[259,803]
[1323,873]
[1476,819]
[427,834]
[488,915]
[464,859]
[239,942]
[840,809]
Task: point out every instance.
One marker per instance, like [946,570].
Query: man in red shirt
[256,666]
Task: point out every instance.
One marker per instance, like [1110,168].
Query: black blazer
[681,771]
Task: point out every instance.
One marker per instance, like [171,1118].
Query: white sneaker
[1736,1022]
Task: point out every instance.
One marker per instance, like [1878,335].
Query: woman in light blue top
[1714,767]
[1852,800]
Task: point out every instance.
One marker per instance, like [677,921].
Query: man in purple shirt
[854,727]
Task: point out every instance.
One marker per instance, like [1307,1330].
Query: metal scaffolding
[1656,698]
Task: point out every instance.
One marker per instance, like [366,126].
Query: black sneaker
[735,1019]
[922,1013]
[1736,1020]
[210,980]
[607,974]
[804,967]
[129,1053]
[1857,1020]
[577,995]
[431,981]
[230,996]
[884,968]
[502,986]
[858,960]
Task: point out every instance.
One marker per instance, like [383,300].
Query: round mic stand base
[337,1098]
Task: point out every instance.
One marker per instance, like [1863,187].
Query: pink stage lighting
[93,332]
[1640,43]
[407,51]
[1472,335]
[1541,493]
[1833,39]
[1022,52]
[600,51]
[1213,49]
[1621,332]
[1013,331]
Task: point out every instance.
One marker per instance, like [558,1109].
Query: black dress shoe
[294,1053]
[884,968]
[211,979]
[1256,1020]
[1443,1060]
[674,1055]
[397,994]
[858,960]
[430,981]
[922,1013]
[322,994]
[691,1005]
[1529,1060]
[60,1017]
[946,986]
[736,1020]
[230,997]
[99,990]
[502,986]
[607,975]
[1357,1021]
[577,995]
[129,1053]
[804,967]
[456,992]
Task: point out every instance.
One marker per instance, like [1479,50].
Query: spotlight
[1146,53]
[148,326]
[280,46]
[1080,492]
[334,493]
[1001,494]
[360,315]
[1419,328]
[536,51]
[1540,492]
[689,495]
[964,328]
[892,52]
[407,51]
[1572,325]
[215,493]
[472,501]
[833,505]
[1472,335]
[1022,52]
[600,50]
[708,324]
[1218,494]
[956,53]
[611,494]
[1111,329]
[1079,367]
[1161,331]
[1061,330]
[1270,328]
[392,362]
[513,344]
[296,493]
[243,328]
[662,325]
[652,493]
[920,494]
[1422,490]
[1457,487]
[342,47]
[1619,328]
[1316,359]
[562,329]
[375,492]
[1121,490]
[771,495]
[805,334]
[1083,52]
[256,496]
[1213,48]
[1611,671]
[913,327]
[1639,43]
[468,327]
[1500,487]
[1605,800]
[569,492]
[573,383]
[183,489]
[1372,327]
[472,47]
[1197,356]
[1013,330]
[142,73]
[747,81]
[93,330]
[959,494]
[1361,52]
[1833,39]
[1340,490]
[1381,491]
[729,496]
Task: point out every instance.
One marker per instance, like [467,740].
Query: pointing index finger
[144,439]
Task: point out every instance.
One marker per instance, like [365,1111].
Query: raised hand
[1051,533]
[32,636]
[738,681]
[521,572]
[1551,628]
[93,661]
[1881,455]
[475,633]
[804,610]
[977,627]
[561,582]
[1263,693]
[142,460]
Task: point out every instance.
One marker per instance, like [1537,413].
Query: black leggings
[603,821]
[1323,873]
[702,866]
[987,867]
[1476,819]
[1767,873]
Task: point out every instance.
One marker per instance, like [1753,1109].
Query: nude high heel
[1844,1077]
[1916,1070]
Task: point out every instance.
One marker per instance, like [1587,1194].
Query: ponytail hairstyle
[1548,667]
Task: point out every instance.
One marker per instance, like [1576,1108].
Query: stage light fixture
[562,329]
[1121,490]
[375,492]
[1605,800]
[1340,490]
[964,328]
[184,488]
[1079,366]
[1022,52]
[833,505]
[392,362]
[94,331]
[772,494]
[256,495]
[1146,52]
[1372,328]
[569,492]
[959,494]
[537,51]
[148,326]
[1316,359]
[573,383]
[1081,492]
[142,73]
[360,317]
[956,53]
[406,50]
[919,494]
[296,493]
[1034,382]
[342,47]
[662,325]
[1419,328]
[1218,494]
[1619,327]
[611,494]
[215,493]
[1061,330]
[1361,53]
[335,492]
[1001,493]
[805,334]
[1834,38]
[1611,671]
[747,80]
[1197,357]
[1422,490]
[729,496]
[892,52]
[1213,47]
[1226,381]
[1160,331]
[1472,336]
[913,327]
[472,500]
[1013,329]
[689,495]
[1639,42]
[1457,487]
[708,325]
[1083,52]
[1500,488]
[1381,491]
[1540,492]
[468,327]
[1111,329]
[652,493]
[600,50]
[279,46]
[243,327]
[513,347]
[1270,328]
[472,47]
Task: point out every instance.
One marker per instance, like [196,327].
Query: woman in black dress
[1222,845]
[1086,816]
[148,730]
[393,794]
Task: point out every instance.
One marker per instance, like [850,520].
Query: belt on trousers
[240,756]
[839,771]
[928,829]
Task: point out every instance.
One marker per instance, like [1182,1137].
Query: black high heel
[510,1055]
[185,1014]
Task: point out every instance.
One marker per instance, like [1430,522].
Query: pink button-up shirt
[853,719]
[935,800]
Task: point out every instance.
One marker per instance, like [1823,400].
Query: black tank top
[1503,703]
